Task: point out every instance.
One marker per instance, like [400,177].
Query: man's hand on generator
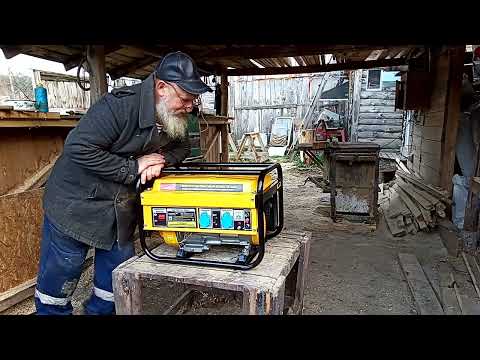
[150,166]
[151,172]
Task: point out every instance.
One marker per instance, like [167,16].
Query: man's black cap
[179,68]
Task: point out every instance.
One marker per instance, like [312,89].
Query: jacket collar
[147,103]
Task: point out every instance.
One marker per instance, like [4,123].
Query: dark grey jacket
[90,194]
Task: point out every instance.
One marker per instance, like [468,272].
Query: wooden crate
[353,171]
[275,286]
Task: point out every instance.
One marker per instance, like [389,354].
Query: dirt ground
[353,270]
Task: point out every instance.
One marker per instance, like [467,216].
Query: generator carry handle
[260,169]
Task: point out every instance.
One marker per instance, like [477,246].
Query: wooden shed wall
[255,101]
[20,234]
[24,151]
[428,128]
[376,120]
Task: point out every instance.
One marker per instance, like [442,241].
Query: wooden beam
[318,68]
[224,92]
[74,60]
[125,69]
[17,294]
[98,78]
[274,51]
[203,69]
[452,115]
[11,51]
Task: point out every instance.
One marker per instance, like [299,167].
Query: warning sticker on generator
[184,218]
[203,187]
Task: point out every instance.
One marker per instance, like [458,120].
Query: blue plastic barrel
[41,101]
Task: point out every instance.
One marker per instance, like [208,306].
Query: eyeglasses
[185,102]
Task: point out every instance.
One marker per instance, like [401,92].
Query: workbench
[275,286]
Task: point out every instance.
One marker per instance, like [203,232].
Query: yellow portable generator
[197,205]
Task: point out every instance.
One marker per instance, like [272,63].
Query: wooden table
[275,286]
[310,148]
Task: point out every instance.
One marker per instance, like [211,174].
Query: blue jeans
[61,263]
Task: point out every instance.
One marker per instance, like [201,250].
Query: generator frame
[261,197]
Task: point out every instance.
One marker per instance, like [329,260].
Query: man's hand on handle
[150,166]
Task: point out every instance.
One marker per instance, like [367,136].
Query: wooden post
[98,78]
[224,91]
[470,224]
[224,141]
[452,115]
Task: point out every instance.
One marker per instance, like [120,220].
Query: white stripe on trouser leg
[103,294]
[50,300]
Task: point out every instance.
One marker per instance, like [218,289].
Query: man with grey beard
[129,134]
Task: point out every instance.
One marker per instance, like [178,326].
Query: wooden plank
[384,143]
[393,224]
[17,294]
[27,115]
[350,65]
[429,174]
[377,102]
[431,160]
[425,299]
[302,273]
[397,206]
[37,179]
[426,187]
[126,290]
[449,300]
[380,122]
[213,141]
[20,234]
[416,195]
[413,208]
[431,132]
[456,56]
[387,128]
[450,238]
[38,123]
[401,165]
[380,135]
[471,272]
[430,146]
[434,119]
[383,95]
[25,151]
[470,307]
[457,293]
[364,109]
[391,115]
[426,195]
